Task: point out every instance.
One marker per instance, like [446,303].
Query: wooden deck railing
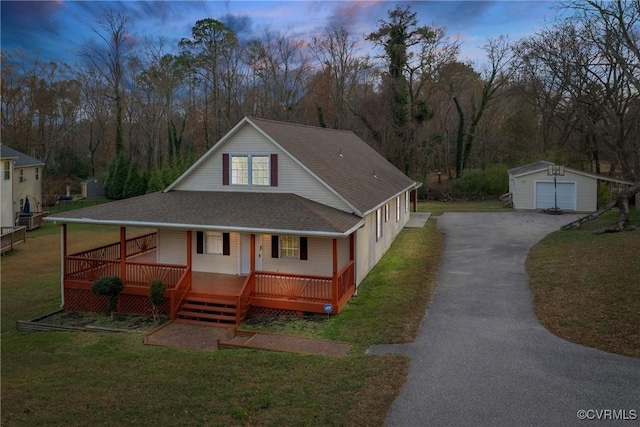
[242,300]
[180,291]
[11,236]
[345,282]
[81,269]
[135,246]
[292,286]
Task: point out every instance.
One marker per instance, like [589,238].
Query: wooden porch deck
[203,282]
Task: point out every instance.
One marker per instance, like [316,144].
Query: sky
[56,30]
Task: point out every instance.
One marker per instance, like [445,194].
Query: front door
[245,259]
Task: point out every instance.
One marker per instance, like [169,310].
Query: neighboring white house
[533,187]
[22,174]
[294,206]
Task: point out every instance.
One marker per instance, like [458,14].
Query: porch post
[189,249]
[334,293]
[252,256]
[123,254]
[63,251]
[190,255]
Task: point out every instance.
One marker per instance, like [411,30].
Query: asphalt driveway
[482,358]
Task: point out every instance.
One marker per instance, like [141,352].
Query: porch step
[207,311]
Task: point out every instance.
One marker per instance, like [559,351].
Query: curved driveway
[482,358]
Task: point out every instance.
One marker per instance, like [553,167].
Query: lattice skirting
[272,312]
[84,300]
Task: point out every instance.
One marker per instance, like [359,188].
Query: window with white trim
[397,208]
[290,247]
[386,212]
[213,242]
[250,169]
[240,170]
[406,202]
[7,170]
[21,175]
[37,174]
[378,224]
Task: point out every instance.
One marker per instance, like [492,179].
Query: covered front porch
[196,296]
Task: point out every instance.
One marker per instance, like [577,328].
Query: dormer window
[250,169]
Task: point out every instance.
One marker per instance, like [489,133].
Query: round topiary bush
[110,286]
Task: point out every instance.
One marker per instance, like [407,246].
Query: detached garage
[533,188]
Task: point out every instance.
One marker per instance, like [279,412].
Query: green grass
[56,378]
[586,287]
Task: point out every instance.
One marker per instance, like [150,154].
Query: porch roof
[281,213]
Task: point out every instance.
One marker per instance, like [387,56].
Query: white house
[275,217]
[21,180]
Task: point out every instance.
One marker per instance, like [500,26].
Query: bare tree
[109,59]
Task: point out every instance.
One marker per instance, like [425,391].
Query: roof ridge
[299,124]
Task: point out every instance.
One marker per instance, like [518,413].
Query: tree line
[138,113]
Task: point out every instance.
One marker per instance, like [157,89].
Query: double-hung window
[213,242]
[7,170]
[289,247]
[250,169]
[397,208]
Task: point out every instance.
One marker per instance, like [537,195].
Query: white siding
[6,189]
[172,247]
[319,262]
[218,263]
[586,190]
[368,250]
[292,178]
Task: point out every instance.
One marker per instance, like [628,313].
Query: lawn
[586,287]
[58,378]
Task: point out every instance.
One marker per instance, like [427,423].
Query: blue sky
[56,30]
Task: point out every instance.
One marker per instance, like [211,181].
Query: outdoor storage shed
[534,188]
[91,188]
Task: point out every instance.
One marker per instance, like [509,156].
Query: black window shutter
[200,242]
[226,244]
[225,169]
[304,253]
[275,247]
[274,170]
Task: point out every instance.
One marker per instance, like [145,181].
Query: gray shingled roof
[250,212]
[342,160]
[22,160]
[531,167]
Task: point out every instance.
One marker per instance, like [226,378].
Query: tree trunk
[622,224]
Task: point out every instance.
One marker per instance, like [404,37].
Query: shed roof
[212,210]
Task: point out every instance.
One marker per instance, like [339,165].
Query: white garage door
[565,192]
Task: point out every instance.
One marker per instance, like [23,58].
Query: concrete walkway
[483,359]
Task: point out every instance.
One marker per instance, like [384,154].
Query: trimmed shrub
[156,297]
[110,286]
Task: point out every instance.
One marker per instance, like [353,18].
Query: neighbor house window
[406,202]
[7,170]
[397,208]
[37,174]
[21,175]
[386,212]
[378,224]
[213,242]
